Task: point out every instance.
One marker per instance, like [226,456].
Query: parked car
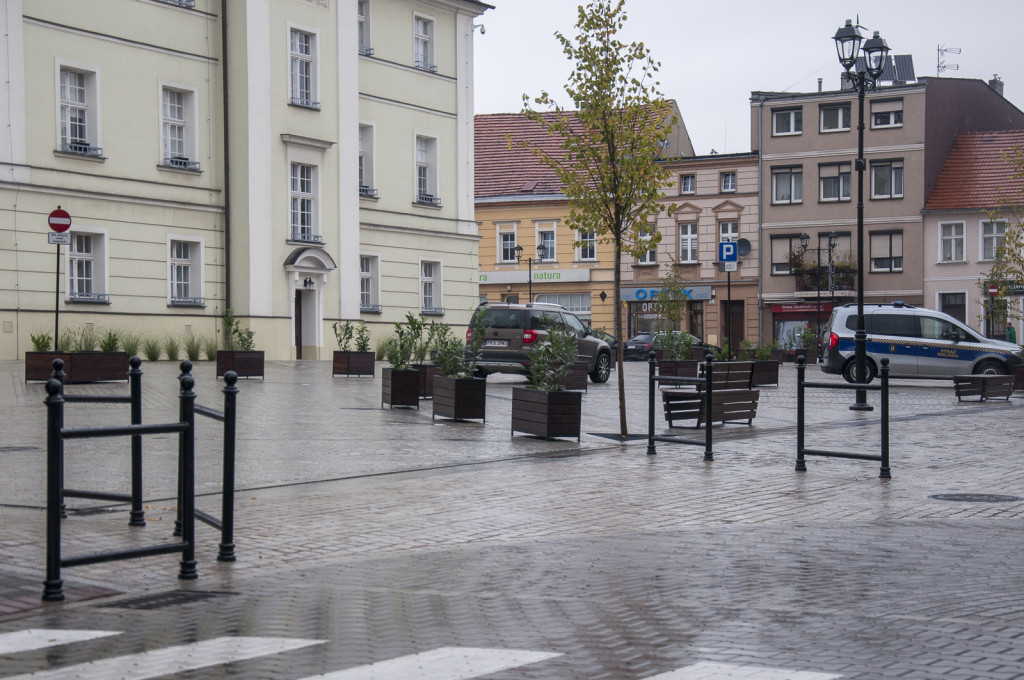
[919,343]
[510,329]
[607,337]
[638,347]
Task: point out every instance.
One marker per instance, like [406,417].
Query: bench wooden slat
[983,386]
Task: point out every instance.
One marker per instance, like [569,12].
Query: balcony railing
[432,311]
[367,192]
[81,148]
[428,199]
[181,162]
[306,236]
[305,103]
[371,309]
[366,51]
[181,3]
[102,298]
[188,302]
[426,66]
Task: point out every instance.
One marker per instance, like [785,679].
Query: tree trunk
[620,337]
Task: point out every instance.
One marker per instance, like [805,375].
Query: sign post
[59,221]
[728,254]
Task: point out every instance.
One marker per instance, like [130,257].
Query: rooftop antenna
[940,63]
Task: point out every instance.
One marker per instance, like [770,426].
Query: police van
[919,343]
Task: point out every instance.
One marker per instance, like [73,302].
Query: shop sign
[543,276]
[800,307]
[645,294]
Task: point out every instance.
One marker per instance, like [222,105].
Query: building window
[887,179]
[787,185]
[302,55]
[363,9]
[687,184]
[86,268]
[423,44]
[728,231]
[183,261]
[886,248]
[577,303]
[887,113]
[426,171]
[177,108]
[78,106]
[728,181]
[430,288]
[303,204]
[783,250]
[587,248]
[366,183]
[834,182]
[992,234]
[508,246]
[369,288]
[951,242]
[788,122]
[649,256]
[954,304]
[688,242]
[546,239]
[835,118]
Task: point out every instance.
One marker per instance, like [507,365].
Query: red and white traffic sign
[59,220]
[993,290]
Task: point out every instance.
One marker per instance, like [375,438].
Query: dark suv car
[510,329]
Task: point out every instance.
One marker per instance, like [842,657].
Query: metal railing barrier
[801,451]
[709,389]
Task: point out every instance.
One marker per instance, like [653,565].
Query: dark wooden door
[298,324]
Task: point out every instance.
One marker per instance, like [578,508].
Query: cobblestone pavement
[379,536]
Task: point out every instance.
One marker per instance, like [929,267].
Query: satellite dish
[743,247]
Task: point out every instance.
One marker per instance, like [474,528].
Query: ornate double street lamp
[805,241]
[874,51]
[529,264]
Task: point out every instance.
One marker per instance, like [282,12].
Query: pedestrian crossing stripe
[171,660]
[706,670]
[444,663]
[40,638]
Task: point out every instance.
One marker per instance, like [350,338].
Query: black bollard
[137,516]
[227,511]
[187,449]
[53,587]
[650,405]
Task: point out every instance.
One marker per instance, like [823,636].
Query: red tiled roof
[974,174]
[504,171]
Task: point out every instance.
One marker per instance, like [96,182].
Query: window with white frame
[507,239]
[783,250]
[78,113]
[185,273]
[728,181]
[687,184]
[587,248]
[302,57]
[304,207]
[886,113]
[177,128]
[366,183]
[363,9]
[649,256]
[835,118]
[951,242]
[834,182]
[86,270]
[887,179]
[546,241]
[992,234]
[728,231]
[369,286]
[430,288]
[886,249]
[426,171]
[423,43]
[687,242]
[577,303]
[787,122]
[787,185]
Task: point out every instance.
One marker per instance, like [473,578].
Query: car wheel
[850,371]
[989,367]
[602,368]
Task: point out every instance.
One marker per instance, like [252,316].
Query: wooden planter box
[546,414]
[576,379]
[400,387]
[247,364]
[460,398]
[353,363]
[79,367]
[687,368]
[766,372]
[427,373]
[1018,377]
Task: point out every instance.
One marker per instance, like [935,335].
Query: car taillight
[648,346]
[529,336]
[469,334]
[833,340]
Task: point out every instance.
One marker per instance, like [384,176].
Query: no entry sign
[993,290]
[59,220]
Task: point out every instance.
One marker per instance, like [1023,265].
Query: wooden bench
[733,400]
[983,386]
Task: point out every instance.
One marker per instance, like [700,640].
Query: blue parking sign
[727,252]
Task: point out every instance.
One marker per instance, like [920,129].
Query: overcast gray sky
[713,54]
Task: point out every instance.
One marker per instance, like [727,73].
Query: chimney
[845,81]
[996,84]
[819,84]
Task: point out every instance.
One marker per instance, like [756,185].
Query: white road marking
[40,638]
[706,670]
[444,663]
[171,660]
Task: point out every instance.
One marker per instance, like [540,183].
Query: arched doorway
[307,270]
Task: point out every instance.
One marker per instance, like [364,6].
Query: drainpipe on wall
[227,156]
[760,230]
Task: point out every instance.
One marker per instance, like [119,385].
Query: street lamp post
[529,264]
[805,241]
[848,46]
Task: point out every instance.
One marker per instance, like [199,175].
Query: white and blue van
[919,343]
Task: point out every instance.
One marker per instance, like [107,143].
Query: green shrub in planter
[552,359]
[110,342]
[41,341]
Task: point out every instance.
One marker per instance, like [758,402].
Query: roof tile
[974,174]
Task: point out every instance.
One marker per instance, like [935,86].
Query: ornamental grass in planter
[545,408]
[348,361]
[83,362]
[239,353]
[766,369]
[457,394]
